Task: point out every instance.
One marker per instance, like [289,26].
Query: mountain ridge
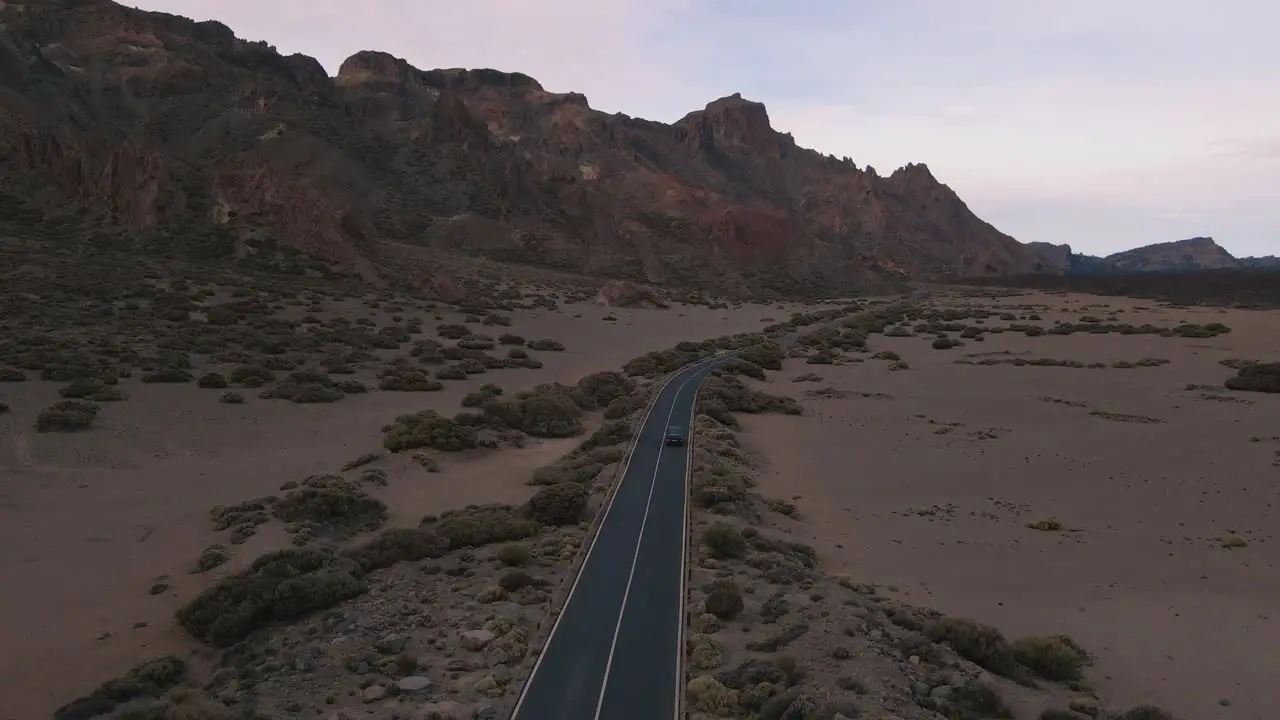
[151,125]
[1177,256]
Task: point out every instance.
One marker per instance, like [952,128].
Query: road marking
[622,476]
[684,563]
[635,557]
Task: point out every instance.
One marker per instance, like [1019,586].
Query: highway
[615,650]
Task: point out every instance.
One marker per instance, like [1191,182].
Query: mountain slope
[181,136]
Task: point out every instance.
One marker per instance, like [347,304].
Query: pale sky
[1105,124]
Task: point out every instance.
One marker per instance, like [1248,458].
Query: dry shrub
[559,504]
[428,429]
[67,416]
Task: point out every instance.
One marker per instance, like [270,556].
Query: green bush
[167,375]
[577,467]
[546,345]
[516,579]
[408,380]
[212,557]
[735,396]
[724,601]
[559,504]
[980,644]
[428,429]
[482,525]
[768,355]
[451,372]
[664,361]
[1146,712]
[598,390]
[278,586]
[514,555]
[82,388]
[452,331]
[974,701]
[67,416]
[304,393]
[724,541]
[252,375]
[334,507]
[1256,377]
[612,432]
[397,545]
[740,366]
[311,386]
[212,380]
[548,411]
[1052,657]
[624,406]
[150,679]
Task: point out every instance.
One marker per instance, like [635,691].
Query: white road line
[684,562]
[622,476]
[635,557]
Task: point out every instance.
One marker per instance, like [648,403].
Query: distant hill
[1248,287]
[1179,256]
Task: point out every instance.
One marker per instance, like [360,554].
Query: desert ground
[1154,488]
[101,529]
[299,498]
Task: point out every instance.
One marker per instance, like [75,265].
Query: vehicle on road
[674,436]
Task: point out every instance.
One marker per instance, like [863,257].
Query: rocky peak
[733,124]
[1050,257]
[372,66]
[308,72]
[914,174]
[570,98]
[214,33]
[1200,243]
[464,80]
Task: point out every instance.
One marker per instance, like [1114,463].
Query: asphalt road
[614,652]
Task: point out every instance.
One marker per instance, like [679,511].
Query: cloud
[1095,119]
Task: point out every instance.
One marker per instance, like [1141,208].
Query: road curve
[614,650]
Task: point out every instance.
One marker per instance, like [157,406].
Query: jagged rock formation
[178,131]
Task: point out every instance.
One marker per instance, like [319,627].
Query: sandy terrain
[919,482]
[90,521]
[922,481]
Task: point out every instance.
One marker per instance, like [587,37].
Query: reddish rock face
[150,121]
